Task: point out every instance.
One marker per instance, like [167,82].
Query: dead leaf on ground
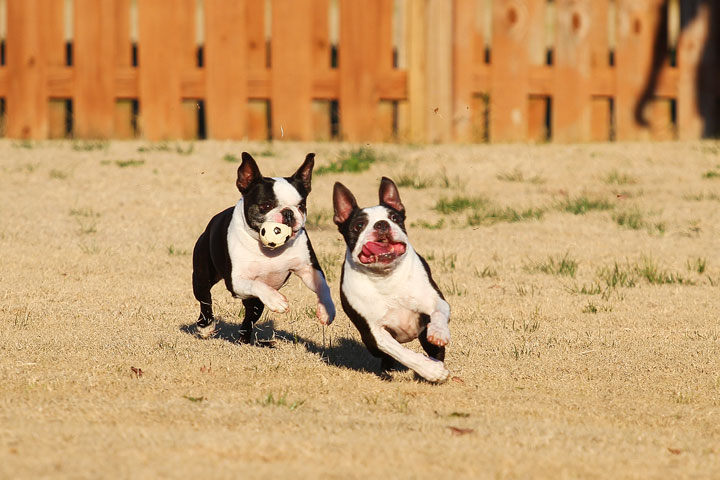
[137,371]
[674,451]
[457,379]
[457,431]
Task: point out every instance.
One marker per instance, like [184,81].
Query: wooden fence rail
[359,70]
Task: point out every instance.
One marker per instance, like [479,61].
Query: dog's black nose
[382,226]
[288,217]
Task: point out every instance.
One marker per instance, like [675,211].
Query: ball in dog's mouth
[274,235]
[381,252]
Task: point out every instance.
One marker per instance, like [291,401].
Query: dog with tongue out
[386,288]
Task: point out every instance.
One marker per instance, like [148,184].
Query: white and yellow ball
[274,235]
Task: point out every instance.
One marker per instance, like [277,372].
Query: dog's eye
[358,226]
[302,206]
[266,207]
[394,217]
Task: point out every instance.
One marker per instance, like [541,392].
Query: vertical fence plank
[690,49]
[188,62]
[513,36]
[637,22]
[361,65]
[416,111]
[123,111]
[571,100]
[439,64]
[257,58]
[27,100]
[159,50]
[600,65]
[463,67]
[94,96]
[53,39]
[292,70]
[226,70]
[320,45]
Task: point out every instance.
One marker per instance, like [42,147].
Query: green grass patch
[559,266]
[280,401]
[412,180]
[319,219]
[429,226]
[508,214]
[460,203]
[699,197]
[83,212]
[632,219]
[618,275]
[581,205]
[90,146]
[615,177]
[129,163]
[516,175]
[174,251]
[353,161]
[487,272]
[58,174]
[714,173]
[698,265]
[230,158]
[651,271]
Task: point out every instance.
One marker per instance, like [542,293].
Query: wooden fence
[358,70]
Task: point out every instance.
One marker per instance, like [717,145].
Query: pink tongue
[377,248]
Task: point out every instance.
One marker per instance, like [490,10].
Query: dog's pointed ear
[390,196]
[304,173]
[343,203]
[247,173]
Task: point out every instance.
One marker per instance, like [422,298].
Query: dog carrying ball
[274,235]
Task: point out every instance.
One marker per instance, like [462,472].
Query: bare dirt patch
[584,283]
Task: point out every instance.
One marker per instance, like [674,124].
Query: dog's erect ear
[343,202]
[304,173]
[389,195]
[248,173]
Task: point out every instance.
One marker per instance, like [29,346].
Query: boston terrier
[386,287]
[230,249]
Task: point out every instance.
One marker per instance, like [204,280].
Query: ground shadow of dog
[338,352]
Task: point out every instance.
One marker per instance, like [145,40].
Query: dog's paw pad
[439,336]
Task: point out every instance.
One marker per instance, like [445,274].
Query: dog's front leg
[315,281]
[438,330]
[272,299]
[428,368]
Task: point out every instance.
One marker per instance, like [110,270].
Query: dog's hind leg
[253,309]
[204,277]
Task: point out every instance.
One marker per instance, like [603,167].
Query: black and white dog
[386,288]
[230,249]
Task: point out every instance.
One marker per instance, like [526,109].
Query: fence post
[226,53]
[94,65]
[292,70]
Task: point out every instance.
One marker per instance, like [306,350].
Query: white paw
[438,334]
[434,371]
[325,313]
[207,331]
[275,301]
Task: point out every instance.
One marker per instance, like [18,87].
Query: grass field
[584,283]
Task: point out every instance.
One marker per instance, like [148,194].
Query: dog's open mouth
[381,252]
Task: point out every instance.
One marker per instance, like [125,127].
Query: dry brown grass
[551,382]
